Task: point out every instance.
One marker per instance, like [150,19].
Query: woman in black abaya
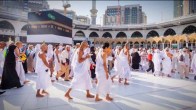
[10,77]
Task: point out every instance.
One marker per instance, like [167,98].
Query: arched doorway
[136,45]
[182,44]
[189,30]
[154,44]
[118,44]
[7,28]
[174,44]
[136,34]
[142,44]
[169,32]
[152,34]
[121,35]
[93,35]
[149,44]
[107,35]
[79,34]
[160,45]
[131,44]
[166,44]
[123,44]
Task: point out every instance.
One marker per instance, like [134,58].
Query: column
[163,45]
[187,41]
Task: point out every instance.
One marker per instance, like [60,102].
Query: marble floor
[145,92]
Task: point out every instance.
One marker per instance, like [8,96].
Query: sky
[156,10]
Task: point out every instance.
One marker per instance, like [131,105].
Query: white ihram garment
[103,85]
[43,75]
[125,65]
[167,65]
[57,65]
[117,66]
[157,63]
[2,59]
[193,64]
[81,79]
[20,70]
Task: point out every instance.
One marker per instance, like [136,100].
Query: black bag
[195,78]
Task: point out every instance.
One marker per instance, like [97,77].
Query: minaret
[93,12]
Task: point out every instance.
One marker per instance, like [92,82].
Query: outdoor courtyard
[145,92]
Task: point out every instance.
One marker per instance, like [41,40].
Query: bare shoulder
[104,55]
[41,55]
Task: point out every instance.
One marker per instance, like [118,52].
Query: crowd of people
[84,66]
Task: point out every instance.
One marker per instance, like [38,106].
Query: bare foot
[109,98]
[90,96]
[126,83]
[39,95]
[25,82]
[98,99]
[68,96]
[44,92]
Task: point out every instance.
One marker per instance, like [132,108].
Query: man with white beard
[157,62]
[81,79]
[167,64]
[125,60]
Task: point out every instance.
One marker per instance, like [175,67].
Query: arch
[93,34]
[136,34]
[131,44]
[169,31]
[136,44]
[166,43]
[121,35]
[106,35]
[160,45]
[118,43]
[79,34]
[148,44]
[24,28]
[189,30]
[6,25]
[152,34]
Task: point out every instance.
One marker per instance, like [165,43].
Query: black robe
[135,60]
[10,77]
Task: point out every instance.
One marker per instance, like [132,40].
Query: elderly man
[81,79]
